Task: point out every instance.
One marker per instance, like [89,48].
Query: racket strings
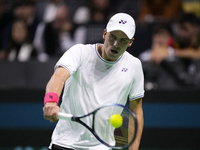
[102,125]
[121,134]
[118,137]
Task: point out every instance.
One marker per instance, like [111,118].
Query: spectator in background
[162,40]
[5,21]
[150,12]
[187,41]
[46,9]
[54,38]
[95,17]
[95,11]
[25,10]
[20,47]
[185,68]
[159,10]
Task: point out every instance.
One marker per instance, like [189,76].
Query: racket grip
[64,116]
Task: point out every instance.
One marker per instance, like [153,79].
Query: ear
[131,42]
[104,33]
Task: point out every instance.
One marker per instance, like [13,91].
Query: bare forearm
[54,85]
[136,144]
[51,109]
[189,53]
[136,106]
[57,81]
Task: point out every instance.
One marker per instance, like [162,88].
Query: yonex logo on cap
[50,96]
[122,21]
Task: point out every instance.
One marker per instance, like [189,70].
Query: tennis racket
[114,125]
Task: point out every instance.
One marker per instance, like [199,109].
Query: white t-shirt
[93,83]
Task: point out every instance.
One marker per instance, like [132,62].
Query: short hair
[18,3]
[162,26]
[187,17]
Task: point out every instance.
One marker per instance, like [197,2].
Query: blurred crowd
[40,29]
[44,29]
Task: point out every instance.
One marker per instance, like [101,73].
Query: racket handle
[65,116]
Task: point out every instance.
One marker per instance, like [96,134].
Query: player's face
[115,44]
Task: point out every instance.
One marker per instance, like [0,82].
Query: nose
[116,43]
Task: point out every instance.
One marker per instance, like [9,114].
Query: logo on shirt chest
[124,69]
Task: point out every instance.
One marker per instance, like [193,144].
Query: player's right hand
[50,111]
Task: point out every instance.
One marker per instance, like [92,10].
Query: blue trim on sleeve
[134,98]
[63,65]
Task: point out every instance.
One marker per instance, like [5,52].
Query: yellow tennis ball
[116,120]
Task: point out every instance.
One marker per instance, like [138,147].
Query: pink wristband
[51,97]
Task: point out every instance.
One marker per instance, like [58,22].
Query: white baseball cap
[122,22]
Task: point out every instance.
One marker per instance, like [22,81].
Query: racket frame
[70,117]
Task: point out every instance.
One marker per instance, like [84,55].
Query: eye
[112,36]
[124,41]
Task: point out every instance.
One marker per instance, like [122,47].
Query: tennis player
[93,75]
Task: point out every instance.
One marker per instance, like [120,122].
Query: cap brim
[129,35]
